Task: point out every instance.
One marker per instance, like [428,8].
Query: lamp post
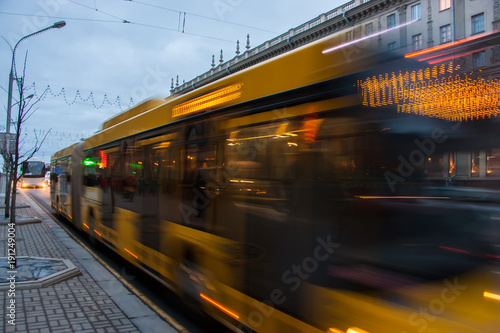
[56,25]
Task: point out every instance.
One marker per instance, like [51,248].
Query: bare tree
[14,158]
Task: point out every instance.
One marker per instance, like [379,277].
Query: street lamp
[57,25]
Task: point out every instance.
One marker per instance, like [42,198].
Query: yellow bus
[293,196]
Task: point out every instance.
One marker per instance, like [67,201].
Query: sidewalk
[94,301]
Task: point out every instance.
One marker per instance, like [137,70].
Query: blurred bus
[301,194]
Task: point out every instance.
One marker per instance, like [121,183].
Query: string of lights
[439,92]
[54,135]
[47,92]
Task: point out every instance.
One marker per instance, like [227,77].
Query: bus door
[198,181]
[259,161]
[110,163]
[153,164]
[64,186]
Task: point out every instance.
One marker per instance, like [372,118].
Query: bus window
[90,174]
[262,152]
[33,168]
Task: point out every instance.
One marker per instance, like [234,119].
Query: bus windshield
[33,169]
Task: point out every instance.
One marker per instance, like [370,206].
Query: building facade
[399,25]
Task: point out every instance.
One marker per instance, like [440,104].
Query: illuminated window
[479,59]
[444,4]
[474,170]
[391,46]
[477,23]
[415,12]
[445,34]
[391,21]
[417,42]
[369,29]
[493,163]
[451,165]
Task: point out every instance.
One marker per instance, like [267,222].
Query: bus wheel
[91,224]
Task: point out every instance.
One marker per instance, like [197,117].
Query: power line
[203,16]
[59,17]
[185,33]
[148,25]
[100,11]
[113,21]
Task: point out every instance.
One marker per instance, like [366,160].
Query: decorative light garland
[78,97]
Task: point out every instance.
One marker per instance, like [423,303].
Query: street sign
[7,142]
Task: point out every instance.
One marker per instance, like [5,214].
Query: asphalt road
[156,293]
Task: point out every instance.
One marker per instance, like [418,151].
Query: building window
[348,36]
[493,163]
[369,29]
[417,42]
[451,165]
[478,23]
[415,12]
[445,34]
[391,21]
[391,46]
[444,4]
[474,170]
[479,59]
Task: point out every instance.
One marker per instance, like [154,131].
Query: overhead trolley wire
[60,17]
[98,10]
[202,16]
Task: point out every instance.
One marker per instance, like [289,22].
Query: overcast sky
[125,49]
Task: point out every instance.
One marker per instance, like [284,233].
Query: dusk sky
[116,52]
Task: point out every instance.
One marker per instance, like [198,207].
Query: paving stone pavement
[93,302]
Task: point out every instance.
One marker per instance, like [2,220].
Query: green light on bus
[138,166]
[88,162]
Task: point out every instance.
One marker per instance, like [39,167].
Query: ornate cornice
[349,19]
